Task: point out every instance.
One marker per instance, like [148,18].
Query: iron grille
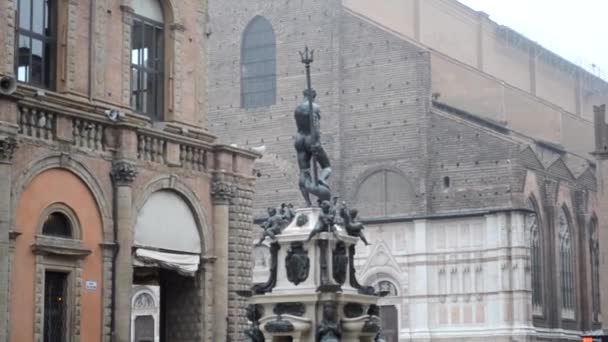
[55,318]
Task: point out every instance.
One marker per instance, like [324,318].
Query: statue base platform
[312,294]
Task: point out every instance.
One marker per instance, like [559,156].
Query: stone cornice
[123,173]
[60,247]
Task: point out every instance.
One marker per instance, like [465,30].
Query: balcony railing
[37,123]
[90,131]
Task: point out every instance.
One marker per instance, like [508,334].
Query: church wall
[358,70]
[477,63]
[374,93]
[450,30]
[384,96]
[458,277]
[295,25]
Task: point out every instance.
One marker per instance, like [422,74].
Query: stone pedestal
[310,289]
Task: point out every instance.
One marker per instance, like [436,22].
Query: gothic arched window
[258,65]
[594,253]
[536,259]
[566,264]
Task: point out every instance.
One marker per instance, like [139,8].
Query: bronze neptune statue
[308,143]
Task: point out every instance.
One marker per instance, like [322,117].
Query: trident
[307,59]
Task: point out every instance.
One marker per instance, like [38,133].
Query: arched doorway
[389,314]
[145,314]
[167,253]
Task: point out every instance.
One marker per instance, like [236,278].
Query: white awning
[184,264]
[165,222]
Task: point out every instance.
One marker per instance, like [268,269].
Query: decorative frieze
[222,191]
[123,173]
[7,148]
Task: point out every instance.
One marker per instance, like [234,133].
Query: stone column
[7,148]
[123,174]
[222,192]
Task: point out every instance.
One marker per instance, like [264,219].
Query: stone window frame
[157,71]
[63,255]
[173,31]
[537,265]
[594,271]
[59,54]
[50,14]
[567,261]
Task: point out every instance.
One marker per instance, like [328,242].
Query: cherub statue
[287,212]
[353,226]
[272,226]
[327,219]
[329,329]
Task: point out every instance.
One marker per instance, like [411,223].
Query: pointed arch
[535,238]
[258,64]
[594,256]
[566,258]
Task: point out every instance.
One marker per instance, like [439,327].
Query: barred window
[57,224]
[258,65]
[594,253]
[567,264]
[536,258]
[147,59]
[35,37]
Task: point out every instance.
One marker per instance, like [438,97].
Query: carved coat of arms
[340,263]
[297,264]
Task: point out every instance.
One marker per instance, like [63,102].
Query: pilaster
[222,192]
[8,145]
[419,307]
[123,174]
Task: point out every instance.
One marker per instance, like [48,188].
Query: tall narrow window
[35,42]
[55,317]
[258,65]
[567,265]
[147,59]
[535,258]
[594,253]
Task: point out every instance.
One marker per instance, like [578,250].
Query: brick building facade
[482,222]
[106,166]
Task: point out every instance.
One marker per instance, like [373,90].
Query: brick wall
[370,85]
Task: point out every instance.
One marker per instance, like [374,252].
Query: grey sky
[576,30]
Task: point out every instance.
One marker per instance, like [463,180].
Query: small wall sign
[91,285]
